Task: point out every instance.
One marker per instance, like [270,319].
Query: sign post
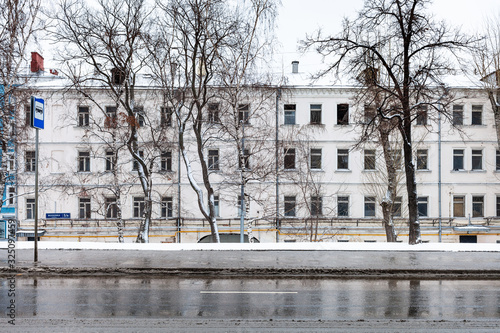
[37,122]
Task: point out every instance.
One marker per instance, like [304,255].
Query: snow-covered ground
[333,246]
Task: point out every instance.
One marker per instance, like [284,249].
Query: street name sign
[58,216]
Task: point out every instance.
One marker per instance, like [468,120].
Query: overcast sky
[298,17]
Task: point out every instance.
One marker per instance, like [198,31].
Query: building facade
[305,176]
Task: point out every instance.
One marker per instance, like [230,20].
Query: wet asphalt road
[102,304]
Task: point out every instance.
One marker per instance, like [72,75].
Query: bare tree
[202,55]
[19,22]
[487,65]
[103,46]
[401,51]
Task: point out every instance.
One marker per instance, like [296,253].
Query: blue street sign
[58,216]
[37,112]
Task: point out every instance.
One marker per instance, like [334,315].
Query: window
[422,115]
[477,206]
[396,207]
[11,163]
[166,161]
[110,121]
[289,158]
[477,159]
[27,115]
[139,115]
[369,206]
[244,160]
[498,161]
[477,115]
[30,161]
[30,209]
[111,208]
[83,116]
[110,160]
[135,163]
[458,159]
[316,206]
[244,113]
[458,114]
[213,113]
[213,159]
[369,159]
[459,206]
[247,204]
[498,206]
[370,113]
[117,76]
[315,114]
[315,158]
[342,114]
[216,205]
[422,208]
[139,205]
[83,161]
[290,114]
[84,208]
[11,194]
[290,206]
[166,116]
[167,207]
[422,159]
[396,159]
[343,159]
[343,206]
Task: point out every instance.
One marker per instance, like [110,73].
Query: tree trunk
[411,187]
[496,111]
[388,201]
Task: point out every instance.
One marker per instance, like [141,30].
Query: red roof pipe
[36,62]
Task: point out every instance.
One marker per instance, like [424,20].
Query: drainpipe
[278,97]
[242,165]
[439,173]
[178,191]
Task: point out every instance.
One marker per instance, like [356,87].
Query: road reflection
[102,297]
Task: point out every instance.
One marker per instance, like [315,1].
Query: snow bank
[330,246]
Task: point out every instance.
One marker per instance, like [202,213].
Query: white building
[328,188]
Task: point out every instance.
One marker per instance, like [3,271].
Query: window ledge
[343,170]
[316,170]
[316,124]
[290,170]
[458,171]
[424,170]
[478,171]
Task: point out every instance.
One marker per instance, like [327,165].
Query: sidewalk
[334,260]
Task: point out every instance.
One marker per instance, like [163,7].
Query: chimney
[36,62]
[295,66]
